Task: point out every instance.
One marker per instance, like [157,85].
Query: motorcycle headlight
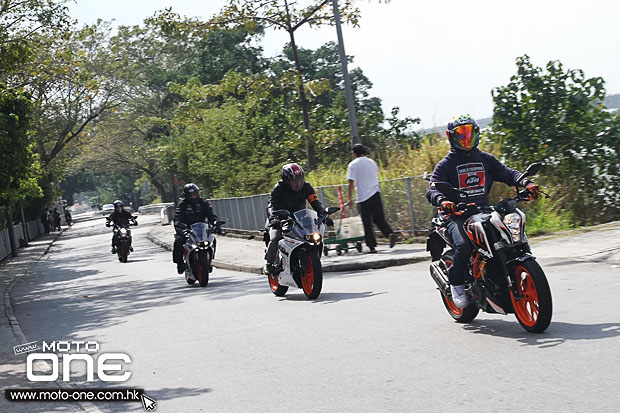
[316,237]
[123,232]
[513,223]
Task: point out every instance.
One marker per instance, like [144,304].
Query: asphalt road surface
[377,340]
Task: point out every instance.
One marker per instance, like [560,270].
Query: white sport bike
[299,252]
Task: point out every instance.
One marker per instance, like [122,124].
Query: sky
[437,58]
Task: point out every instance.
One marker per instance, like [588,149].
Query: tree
[288,15]
[18,165]
[556,116]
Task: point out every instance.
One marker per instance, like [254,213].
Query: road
[375,340]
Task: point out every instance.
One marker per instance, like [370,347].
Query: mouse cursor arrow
[149,404]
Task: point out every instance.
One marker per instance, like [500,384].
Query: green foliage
[556,116]
[18,166]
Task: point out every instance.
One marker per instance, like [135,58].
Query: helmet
[463,133]
[293,175]
[189,190]
[118,203]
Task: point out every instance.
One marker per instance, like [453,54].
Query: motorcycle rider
[190,210]
[121,218]
[471,170]
[290,193]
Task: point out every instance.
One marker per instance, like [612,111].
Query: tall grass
[543,215]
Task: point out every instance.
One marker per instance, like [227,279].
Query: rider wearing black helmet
[290,193]
[121,218]
[190,210]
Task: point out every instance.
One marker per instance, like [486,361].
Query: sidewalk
[247,254]
[13,367]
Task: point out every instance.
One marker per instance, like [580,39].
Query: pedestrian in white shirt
[363,174]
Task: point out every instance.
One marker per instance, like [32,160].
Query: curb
[17,330]
[341,267]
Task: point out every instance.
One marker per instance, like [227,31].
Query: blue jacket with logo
[473,172]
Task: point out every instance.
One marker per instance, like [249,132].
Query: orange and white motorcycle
[503,276]
[299,252]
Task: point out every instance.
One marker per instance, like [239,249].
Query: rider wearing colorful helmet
[473,171]
[290,193]
[121,218]
[190,210]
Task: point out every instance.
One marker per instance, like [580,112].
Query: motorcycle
[503,276]
[122,234]
[298,264]
[198,251]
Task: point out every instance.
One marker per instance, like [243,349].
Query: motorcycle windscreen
[199,230]
[308,219]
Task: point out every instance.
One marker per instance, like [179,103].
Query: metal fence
[404,201]
[34,228]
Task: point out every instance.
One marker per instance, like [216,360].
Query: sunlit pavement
[377,340]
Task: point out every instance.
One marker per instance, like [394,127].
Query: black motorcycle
[122,234]
[503,276]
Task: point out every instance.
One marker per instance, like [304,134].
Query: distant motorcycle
[299,252]
[123,239]
[503,277]
[199,250]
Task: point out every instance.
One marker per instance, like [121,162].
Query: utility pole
[355,137]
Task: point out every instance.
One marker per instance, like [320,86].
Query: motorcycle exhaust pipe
[439,277]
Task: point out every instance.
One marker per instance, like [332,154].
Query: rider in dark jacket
[473,171]
[290,193]
[121,218]
[189,211]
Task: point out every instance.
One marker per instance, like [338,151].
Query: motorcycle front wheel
[312,279]
[460,315]
[203,264]
[122,252]
[534,307]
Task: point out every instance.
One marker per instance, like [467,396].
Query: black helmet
[189,190]
[118,203]
[293,174]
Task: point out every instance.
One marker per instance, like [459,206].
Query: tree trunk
[9,217]
[161,189]
[310,150]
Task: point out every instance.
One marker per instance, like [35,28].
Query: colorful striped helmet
[463,133]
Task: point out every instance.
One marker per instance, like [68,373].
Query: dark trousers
[371,211]
[275,235]
[462,251]
[177,250]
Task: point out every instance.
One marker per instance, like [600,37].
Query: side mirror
[282,214]
[331,210]
[219,222]
[450,192]
[530,170]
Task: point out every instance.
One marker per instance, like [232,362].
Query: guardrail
[404,202]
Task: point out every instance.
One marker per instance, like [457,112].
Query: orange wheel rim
[307,281]
[451,306]
[273,282]
[527,308]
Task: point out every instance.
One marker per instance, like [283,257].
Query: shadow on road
[557,333]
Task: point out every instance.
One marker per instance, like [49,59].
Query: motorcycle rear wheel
[312,280]
[535,308]
[460,315]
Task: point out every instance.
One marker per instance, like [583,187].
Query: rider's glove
[534,190]
[274,223]
[448,207]
[329,222]
[107,224]
[135,223]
